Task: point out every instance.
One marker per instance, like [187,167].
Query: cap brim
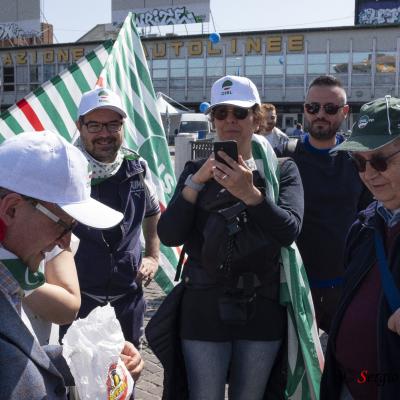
[237,103]
[118,110]
[364,143]
[93,213]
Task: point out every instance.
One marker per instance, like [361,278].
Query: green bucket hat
[378,124]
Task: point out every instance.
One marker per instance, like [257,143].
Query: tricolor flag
[123,68]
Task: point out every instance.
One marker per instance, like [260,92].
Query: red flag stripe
[30,114]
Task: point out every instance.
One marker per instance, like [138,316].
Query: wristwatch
[193,185]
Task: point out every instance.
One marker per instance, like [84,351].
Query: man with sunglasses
[363,353]
[333,193]
[110,265]
[44,191]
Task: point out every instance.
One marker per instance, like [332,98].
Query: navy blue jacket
[359,258]
[108,260]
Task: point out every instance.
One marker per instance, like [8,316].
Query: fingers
[132,360]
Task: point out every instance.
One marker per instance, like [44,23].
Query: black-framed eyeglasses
[96,127]
[329,108]
[67,228]
[221,113]
[378,163]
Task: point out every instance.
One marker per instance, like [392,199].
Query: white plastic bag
[91,348]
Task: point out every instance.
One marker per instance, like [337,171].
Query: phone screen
[229,147]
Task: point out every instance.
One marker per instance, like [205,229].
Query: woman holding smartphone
[231,325]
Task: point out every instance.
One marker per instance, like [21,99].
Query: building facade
[281,64]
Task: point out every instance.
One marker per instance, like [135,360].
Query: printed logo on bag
[117,386]
[226,88]
[363,121]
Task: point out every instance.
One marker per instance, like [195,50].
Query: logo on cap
[226,88]
[363,121]
[103,96]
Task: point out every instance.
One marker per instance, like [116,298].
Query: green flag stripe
[69,102]
[79,78]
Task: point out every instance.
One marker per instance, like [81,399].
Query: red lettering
[363,376]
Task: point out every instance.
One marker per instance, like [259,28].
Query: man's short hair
[327,80]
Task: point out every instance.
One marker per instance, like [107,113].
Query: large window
[215,66]
[386,62]
[274,65]
[253,65]
[195,67]
[295,64]
[49,70]
[177,68]
[317,63]
[160,69]
[8,79]
[233,65]
[361,63]
[339,63]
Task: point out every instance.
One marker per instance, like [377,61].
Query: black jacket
[359,258]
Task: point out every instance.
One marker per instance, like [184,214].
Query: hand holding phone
[229,147]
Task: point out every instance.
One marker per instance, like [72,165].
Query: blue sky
[73,18]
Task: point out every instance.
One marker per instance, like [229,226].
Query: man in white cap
[44,191]
[109,263]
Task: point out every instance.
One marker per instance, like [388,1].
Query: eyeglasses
[378,163]
[221,113]
[96,127]
[329,108]
[41,208]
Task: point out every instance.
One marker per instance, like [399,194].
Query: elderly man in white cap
[44,191]
[110,264]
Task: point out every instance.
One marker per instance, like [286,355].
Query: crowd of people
[71,241]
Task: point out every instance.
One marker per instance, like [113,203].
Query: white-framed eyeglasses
[67,228]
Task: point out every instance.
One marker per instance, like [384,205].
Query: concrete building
[281,63]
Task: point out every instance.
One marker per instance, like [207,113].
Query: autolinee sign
[233,46]
[377,12]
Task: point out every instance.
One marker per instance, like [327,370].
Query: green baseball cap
[378,124]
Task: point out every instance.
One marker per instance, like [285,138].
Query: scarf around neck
[102,171]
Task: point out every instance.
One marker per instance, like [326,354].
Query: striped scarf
[305,358]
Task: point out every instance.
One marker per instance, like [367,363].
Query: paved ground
[149,386]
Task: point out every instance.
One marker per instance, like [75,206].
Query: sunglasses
[378,163]
[221,113]
[329,108]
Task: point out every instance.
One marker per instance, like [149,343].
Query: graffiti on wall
[12,30]
[170,16]
[379,16]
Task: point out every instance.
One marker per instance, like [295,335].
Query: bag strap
[390,289]
[179,267]
[290,147]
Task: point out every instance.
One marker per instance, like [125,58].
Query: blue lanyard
[390,289]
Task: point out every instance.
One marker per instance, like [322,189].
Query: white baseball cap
[234,90]
[44,166]
[100,98]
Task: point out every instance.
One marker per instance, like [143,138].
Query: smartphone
[229,147]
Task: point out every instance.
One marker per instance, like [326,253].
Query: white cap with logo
[44,166]
[100,98]
[234,90]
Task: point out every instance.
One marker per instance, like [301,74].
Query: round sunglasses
[329,108]
[221,113]
[378,163]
